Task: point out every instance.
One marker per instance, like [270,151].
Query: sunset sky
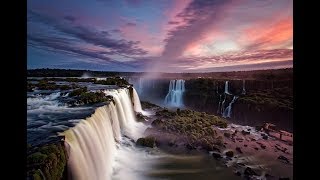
[160,35]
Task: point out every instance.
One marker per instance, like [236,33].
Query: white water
[226,88]
[91,144]
[222,104]
[136,102]
[175,93]
[227,111]
[243,87]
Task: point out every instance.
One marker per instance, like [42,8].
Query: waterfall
[91,144]
[136,102]
[226,88]
[243,87]
[227,111]
[175,93]
[140,85]
[222,104]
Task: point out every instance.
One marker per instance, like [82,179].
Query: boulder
[229,153]
[157,123]
[245,132]
[216,155]
[147,142]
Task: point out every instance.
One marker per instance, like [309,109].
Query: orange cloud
[268,35]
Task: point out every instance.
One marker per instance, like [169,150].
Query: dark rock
[216,155]
[263,146]
[245,145]
[140,117]
[249,172]
[238,173]
[286,160]
[147,142]
[256,148]
[239,150]
[265,137]
[189,146]
[245,132]
[229,153]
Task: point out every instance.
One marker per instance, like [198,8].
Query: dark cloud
[92,36]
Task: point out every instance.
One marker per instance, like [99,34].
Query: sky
[160,35]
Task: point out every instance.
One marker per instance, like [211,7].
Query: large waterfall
[91,144]
[175,93]
[136,102]
[227,111]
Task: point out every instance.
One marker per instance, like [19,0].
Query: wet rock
[147,142]
[216,155]
[263,146]
[245,132]
[229,153]
[245,145]
[256,148]
[249,172]
[264,136]
[238,173]
[284,159]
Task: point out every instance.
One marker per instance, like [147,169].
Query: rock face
[252,108]
[147,142]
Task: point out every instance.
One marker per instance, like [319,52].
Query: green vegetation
[263,100]
[197,127]
[83,96]
[45,84]
[47,162]
[113,81]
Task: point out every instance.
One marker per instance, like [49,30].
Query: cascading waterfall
[91,144]
[226,88]
[175,93]
[227,111]
[222,104]
[136,102]
[243,87]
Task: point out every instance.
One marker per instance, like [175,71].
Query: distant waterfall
[222,104]
[227,111]
[140,85]
[175,93]
[243,87]
[91,144]
[226,88]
